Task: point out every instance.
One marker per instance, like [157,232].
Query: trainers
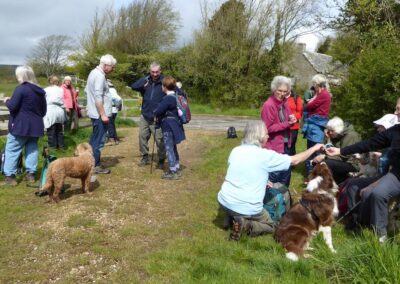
[382,239]
[101,170]
[170,175]
[143,162]
[9,181]
[29,178]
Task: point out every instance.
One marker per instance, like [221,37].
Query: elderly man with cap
[96,91]
[373,208]
[70,103]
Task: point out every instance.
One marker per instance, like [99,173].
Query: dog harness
[305,204]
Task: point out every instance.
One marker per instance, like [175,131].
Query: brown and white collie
[314,213]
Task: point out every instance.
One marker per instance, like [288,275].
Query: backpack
[277,201]
[231,133]
[20,167]
[341,197]
[183,108]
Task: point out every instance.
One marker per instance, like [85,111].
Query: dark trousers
[55,136]
[282,176]
[374,204]
[353,196]
[340,170]
[97,139]
[293,136]
[112,132]
[309,165]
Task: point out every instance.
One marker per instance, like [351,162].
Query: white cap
[387,121]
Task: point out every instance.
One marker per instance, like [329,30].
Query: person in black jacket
[150,88]
[375,198]
[172,129]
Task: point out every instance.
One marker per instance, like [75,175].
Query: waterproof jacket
[295,104]
[276,128]
[27,108]
[70,97]
[313,128]
[389,138]
[347,138]
[152,94]
[167,115]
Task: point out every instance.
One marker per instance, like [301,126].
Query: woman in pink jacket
[71,104]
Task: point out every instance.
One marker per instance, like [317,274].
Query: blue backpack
[277,201]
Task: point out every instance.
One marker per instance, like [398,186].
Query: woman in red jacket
[295,104]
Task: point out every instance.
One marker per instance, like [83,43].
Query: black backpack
[231,133]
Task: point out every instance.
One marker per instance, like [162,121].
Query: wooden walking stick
[152,152]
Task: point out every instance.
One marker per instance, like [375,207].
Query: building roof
[322,63]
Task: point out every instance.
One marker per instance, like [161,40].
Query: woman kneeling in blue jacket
[171,126]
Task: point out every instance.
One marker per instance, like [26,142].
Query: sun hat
[387,121]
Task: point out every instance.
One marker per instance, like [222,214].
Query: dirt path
[129,210]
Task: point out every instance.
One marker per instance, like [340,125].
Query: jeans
[97,139]
[112,132]
[309,165]
[171,150]
[14,147]
[147,128]
[282,176]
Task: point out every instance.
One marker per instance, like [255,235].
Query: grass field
[135,228]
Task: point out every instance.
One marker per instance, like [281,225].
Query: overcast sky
[24,22]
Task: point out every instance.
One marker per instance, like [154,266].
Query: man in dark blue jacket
[150,87]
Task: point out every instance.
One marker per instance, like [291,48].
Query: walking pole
[152,152]
[348,212]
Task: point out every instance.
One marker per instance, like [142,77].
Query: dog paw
[333,250]
[292,256]
[306,255]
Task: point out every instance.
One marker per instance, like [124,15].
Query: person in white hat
[373,207]
[70,103]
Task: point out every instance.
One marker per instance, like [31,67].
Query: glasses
[282,91]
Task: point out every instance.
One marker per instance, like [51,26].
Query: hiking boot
[29,178]
[101,170]
[9,181]
[170,175]
[237,227]
[143,162]
[116,141]
[160,165]
[179,172]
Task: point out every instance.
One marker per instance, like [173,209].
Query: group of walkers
[56,108]
[267,156]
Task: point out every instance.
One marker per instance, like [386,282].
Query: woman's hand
[332,151]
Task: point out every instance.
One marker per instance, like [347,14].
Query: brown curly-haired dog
[81,167]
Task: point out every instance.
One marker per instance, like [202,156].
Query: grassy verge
[207,256]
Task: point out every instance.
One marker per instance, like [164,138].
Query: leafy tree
[372,87]
[50,54]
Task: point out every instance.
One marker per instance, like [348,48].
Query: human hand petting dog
[332,151]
